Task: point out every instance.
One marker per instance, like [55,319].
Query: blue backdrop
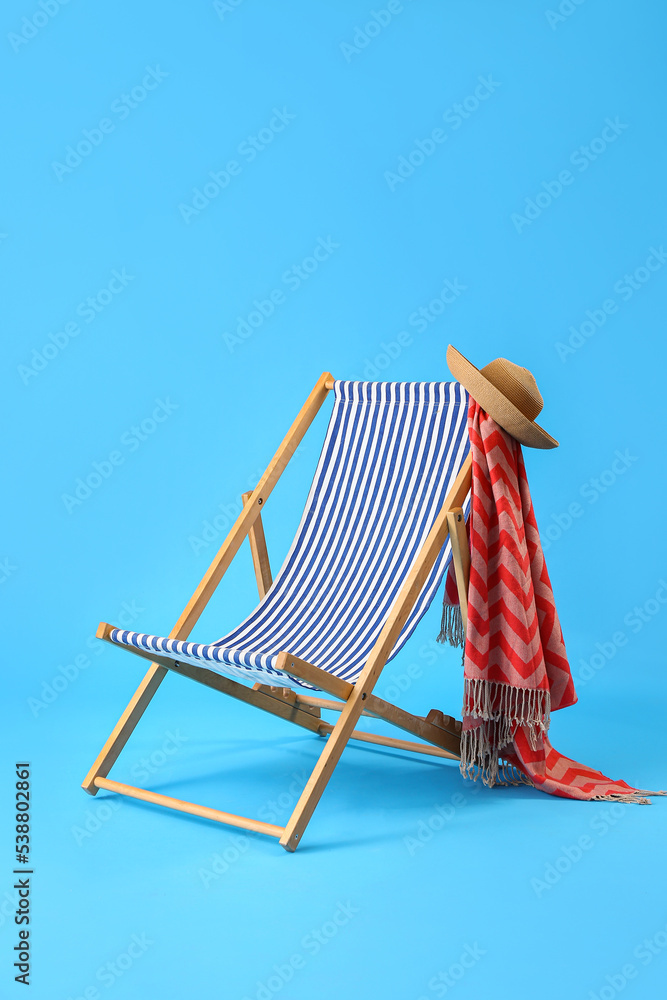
[206,206]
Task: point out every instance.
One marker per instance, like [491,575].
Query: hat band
[512,389]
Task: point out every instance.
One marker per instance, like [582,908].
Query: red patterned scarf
[515,666]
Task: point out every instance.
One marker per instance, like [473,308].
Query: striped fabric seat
[391,453]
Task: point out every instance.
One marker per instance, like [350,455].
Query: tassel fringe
[499,709]
[451,626]
[638,796]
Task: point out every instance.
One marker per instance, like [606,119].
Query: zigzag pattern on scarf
[516,670]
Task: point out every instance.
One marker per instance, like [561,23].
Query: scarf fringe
[499,708]
[638,796]
[451,626]
[631,797]
[493,771]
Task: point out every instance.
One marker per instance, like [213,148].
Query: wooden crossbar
[389,741]
[256,825]
[332,706]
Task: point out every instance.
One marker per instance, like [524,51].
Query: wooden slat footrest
[256,825]
[437,718]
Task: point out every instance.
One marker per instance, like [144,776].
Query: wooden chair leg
[221,561]
[124,728]
[336,743]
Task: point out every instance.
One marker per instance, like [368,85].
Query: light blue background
[133,540]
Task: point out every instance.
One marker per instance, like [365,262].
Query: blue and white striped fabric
[391,453]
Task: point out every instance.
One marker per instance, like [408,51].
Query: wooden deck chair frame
[440,732]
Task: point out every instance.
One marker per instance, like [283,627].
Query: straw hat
[508,393]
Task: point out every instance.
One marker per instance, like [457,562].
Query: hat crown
[517,384]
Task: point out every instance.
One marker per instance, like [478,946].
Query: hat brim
[496,404]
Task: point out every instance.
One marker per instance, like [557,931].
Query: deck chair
[384,516]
